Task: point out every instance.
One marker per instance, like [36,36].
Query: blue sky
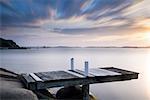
[76,22]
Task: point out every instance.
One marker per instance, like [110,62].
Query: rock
[72,92]
[11,87]
[44,94]
[8,44]
[7,93]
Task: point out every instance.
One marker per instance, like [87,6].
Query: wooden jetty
[73,77]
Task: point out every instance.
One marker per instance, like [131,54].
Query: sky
[76,22]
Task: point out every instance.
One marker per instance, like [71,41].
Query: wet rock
[72,92]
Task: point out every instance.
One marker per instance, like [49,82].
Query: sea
[51,59]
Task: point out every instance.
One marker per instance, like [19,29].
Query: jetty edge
[76,77]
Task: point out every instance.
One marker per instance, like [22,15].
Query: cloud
[73,18]
[30,11]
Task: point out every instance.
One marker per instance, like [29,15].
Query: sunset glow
[147,36]
[76,22]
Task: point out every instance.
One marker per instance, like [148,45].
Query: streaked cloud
[67,20]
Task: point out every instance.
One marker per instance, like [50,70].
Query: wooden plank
[74,73]
[35,77]
[66,83]
[71,78]
[86,80]
[82,73]
[41,76]
[55,75]
[28,81]
[119,70]
[102,72]
[28,78]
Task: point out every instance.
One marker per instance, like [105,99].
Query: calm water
[35,60]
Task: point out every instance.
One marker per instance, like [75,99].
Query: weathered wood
[97,72]
[82,81]
[28,81]
[119,70]
[72,78]
[36,78]
[55,75]
[85,92]
[82,73]
[102,72]
[73,73]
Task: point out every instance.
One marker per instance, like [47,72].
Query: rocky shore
[11,87]
[9,44]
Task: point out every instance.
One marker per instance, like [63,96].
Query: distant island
[38,47]
[9,44]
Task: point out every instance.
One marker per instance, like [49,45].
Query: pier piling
[72,63]
[86,68]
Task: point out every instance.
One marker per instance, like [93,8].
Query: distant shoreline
[13,48]
[74,47]
[10,44]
